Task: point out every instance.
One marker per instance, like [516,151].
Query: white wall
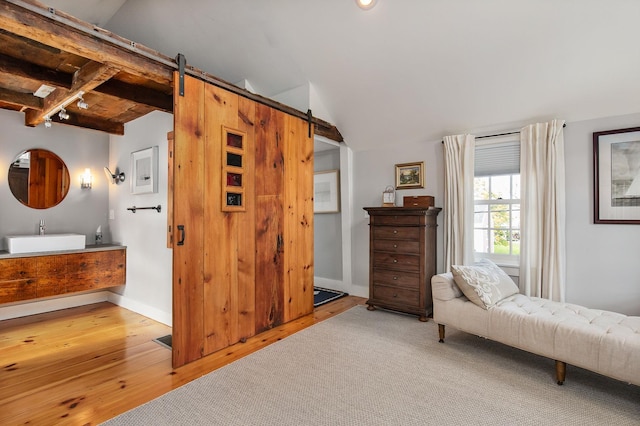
[603,261]
[149,261]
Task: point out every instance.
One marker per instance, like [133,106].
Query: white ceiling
[407,70]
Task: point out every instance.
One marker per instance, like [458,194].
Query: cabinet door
[52,275]
[17,279]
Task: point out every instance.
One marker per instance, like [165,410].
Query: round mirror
[38,178]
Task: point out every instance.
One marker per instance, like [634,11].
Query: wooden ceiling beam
[138,94]
[11,68]
[92,123]
[36,26]
[26,100]
[85,79]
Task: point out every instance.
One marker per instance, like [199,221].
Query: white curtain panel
[543,211]
[459,154]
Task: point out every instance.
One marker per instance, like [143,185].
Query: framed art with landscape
[616,176]
[410,175]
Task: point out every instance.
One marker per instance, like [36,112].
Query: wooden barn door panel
[230,244]
[188,223]
[269,285]
[246,225]
[298,202]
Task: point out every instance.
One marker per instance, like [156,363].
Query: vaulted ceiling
[404,71]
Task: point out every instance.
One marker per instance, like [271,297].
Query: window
[497,202]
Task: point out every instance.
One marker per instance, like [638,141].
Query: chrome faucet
[42,227]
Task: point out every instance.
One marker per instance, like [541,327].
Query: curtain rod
[504,134]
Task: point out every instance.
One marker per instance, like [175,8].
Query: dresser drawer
[398,279]
[397,246]
[396,296]
[396,220]
[396,233]
[404,262]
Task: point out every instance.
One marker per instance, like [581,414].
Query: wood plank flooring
[85,365]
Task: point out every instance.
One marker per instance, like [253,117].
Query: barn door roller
[182,62]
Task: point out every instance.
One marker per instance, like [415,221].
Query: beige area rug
[384,368]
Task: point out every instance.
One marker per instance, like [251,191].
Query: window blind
[497,158]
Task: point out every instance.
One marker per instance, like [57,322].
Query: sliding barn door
[243,220]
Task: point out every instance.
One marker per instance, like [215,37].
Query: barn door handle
[182,235]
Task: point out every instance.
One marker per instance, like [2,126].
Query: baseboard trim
[141,308]
[27,308]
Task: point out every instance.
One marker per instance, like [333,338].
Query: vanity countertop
[4,254]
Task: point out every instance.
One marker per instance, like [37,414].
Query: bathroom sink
[48,242]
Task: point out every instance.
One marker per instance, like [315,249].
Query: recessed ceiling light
[366,4]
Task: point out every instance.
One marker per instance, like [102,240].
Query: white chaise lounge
[604,342]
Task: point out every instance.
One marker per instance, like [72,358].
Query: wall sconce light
[85,179]
[116,177]
[366,4]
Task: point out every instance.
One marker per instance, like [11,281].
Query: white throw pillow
[484,283]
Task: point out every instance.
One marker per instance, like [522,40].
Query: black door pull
[182,235]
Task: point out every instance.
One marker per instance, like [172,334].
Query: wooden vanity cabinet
[402,258]
[24,278]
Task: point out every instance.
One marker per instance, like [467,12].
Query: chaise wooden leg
[441,332]
[561,371]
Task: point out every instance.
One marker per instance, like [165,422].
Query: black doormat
[325,295]
[164,341]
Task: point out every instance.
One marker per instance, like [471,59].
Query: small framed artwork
[144,171]
[616,176]
[326,192]
[410,175]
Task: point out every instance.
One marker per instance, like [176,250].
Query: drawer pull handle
[395,295]
[395,278]
[395,246]
[395,231]
[395,260]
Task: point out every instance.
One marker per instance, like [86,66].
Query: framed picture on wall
[410,175]
[144,171]
[326,192]
[616,174]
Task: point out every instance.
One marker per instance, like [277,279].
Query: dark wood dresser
[402,258]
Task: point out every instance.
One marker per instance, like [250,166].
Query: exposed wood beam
[21,99]
[38,27]
[85,79]
[92,123]
[11,68]
[137,94]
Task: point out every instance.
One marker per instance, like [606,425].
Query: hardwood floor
[85,365]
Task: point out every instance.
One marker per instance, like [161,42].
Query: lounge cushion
[484,283]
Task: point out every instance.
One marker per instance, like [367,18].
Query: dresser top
[399,211]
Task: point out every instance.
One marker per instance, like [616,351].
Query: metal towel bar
[156,208]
